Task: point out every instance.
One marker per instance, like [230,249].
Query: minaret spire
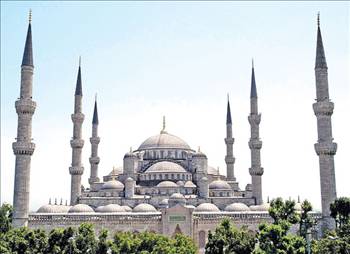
[94,140]
[23,148]
[229,140]
[77,143]
[256,171]
[325,147]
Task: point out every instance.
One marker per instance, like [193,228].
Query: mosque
[164,186]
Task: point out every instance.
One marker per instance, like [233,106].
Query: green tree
[85,239]
[228,239]
[274,238]
[306,222]
[5,218]
[340,211]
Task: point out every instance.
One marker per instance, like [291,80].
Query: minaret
[77,143]
[229,140]
[94,140]
[256,171]
[23,148]
[325,147]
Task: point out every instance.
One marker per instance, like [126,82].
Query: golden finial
[228,97]
[79,61]
[318,19]
[95,96]
[30,16]
[252,63]
[163,130]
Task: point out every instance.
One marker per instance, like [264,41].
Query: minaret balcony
[254,119]
[23,148]
[329,148]
[229,141]
[230,159]
[94,160]
[256,171]
[94,140]
[78,117]
[255,144]
[323,108]
[25,106]
[76,170]
[76,143]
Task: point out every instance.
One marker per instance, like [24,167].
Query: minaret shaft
[255,144]
[94,140]
[325,147]
[77,143]
[229,140]
[23,148]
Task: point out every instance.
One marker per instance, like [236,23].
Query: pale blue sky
[146,59]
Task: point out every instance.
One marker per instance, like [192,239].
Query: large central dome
[164,140]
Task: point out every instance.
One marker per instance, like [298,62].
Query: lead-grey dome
[219,185]
[81,208]
[166,166]
[167,184]
[164,140]
[53,209]
[144,208]
[237,207]
[111,208]
[112,184]
[207,207]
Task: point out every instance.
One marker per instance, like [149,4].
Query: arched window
[201,239]
[166,176]
[161,177]
[172,176]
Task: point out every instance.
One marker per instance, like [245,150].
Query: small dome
[144,208]
[111,208]
[190,184]
[112,184]
[219,185]
[207,207]
[116,171]
[177,196]
[180,183]
[199,154]
[50,209]
[129,179]
[166,184]
[237,207]
[126,208]
[260,208]
[130,154]
[165,166]
[164,140]
[81,208]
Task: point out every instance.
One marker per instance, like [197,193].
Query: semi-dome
[164,202]
[167,184]
[111,208]
[219,185]
[165,166]
[207,207]
[164,140]
[144,208]
[112,184]
[81,208]
[180,183]
[237,207]
[127,208]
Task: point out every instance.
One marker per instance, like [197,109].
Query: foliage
[228,239]
[340,211]
[283,211]
[306,222]
[5,218]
